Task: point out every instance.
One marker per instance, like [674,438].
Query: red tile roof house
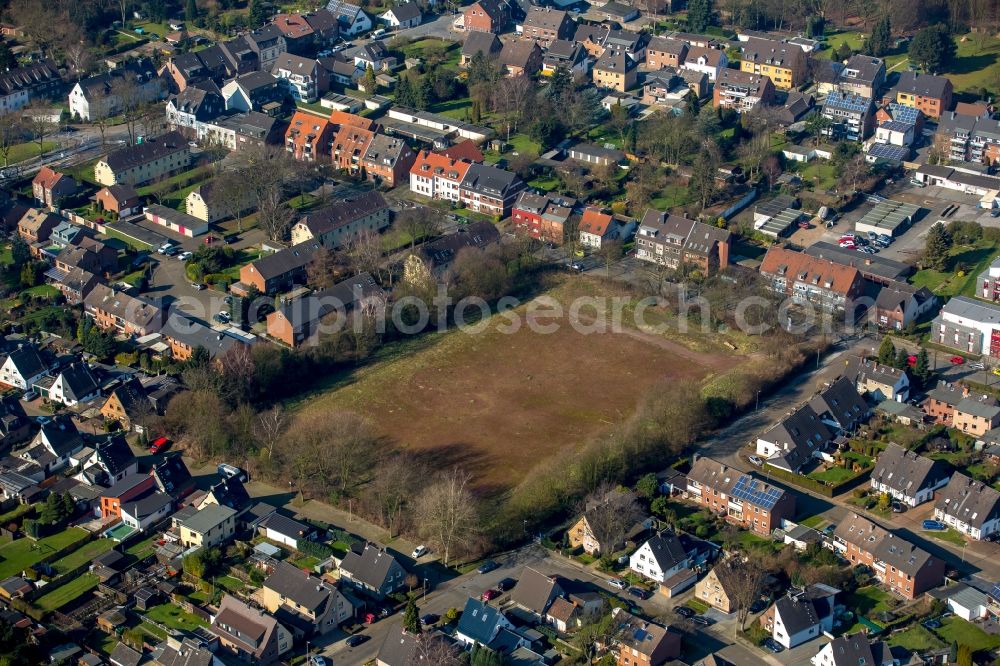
[542,216]
[51,187]
[487,16]
[121,199]
[308,136]
[595,228]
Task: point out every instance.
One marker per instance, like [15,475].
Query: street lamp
[423,596]
[756,406]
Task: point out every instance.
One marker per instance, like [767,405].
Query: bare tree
[322,272]
[265,171]
[270,426]
[273,215]
[417,223]
[38,121]
[610,252]
[124,6]
[128,96]
[364,253]
[230,189]
[448,513]
[433,648]
[610,514]
[11,132]
[745,575]
[80,58]
[395,483]
[512,96]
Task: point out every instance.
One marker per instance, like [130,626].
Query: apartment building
[664,52]
[971,138]
[742,91]
[304,78]
[334,225]
[969,326]
[673,241]
[489,190]
[811,280]
[615,70]
[851,116]
[542,216]
[545,25]
[785,64]
[436,176]
[739,497]
[930,94]
[387,160]
[144,162]
[308,136]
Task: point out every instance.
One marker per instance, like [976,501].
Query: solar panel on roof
[750,489]
[886,151]
[906,114]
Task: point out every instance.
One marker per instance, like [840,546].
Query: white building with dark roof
[907,476]
[970,506]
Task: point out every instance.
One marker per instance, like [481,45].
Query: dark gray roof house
[78,383]
[231,493]
[114,455]
[172,476]
[668,551]
[151,149]
[488,180]
[791,442]
[908,476]
[373,570]
[486,43]
[535,591]
[969,502]
[441,252]
[27,362]
[480,622]
[60,436]
[840,406]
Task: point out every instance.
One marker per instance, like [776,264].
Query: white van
[378,34]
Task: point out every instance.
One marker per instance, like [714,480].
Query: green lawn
[671,196]
[44,290]
[230,583]
[949,535]
[171,616]
[201,173]
[68,592]
[15,513]
[455,108]
[21,554]
[866,601]
[144,548]
[832,476]
[821,174]
[153,631]
[419,48]
[964,265]
[85,553]
[25,151]
[975,66]
[955,629]
[915,639]
[852,38]
[814,522]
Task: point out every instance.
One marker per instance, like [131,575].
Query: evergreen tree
[932,48]
[937,247]
[880,41]
[964,656]
[691,104]
[370,79]
[922,369]
[404,92]
[19,251]
[7,59]
[51,510]
[902,360]
[844,52]
[411,618]
[887,351]
[560,84]
[258,13]
[199,357]
[699,15]
[69,506]
[191,11]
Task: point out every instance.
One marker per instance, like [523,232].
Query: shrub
[320,551]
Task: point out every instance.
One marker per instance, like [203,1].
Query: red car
[490,594]
[159,444]
[957,360]
[804,225]
[911,361]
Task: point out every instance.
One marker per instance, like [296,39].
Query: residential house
[567,55]
[629,42]
[303,602]
[89,254]
[581,535]
[970,138]
[75,284]
[854,650]
[308,136]
[673,241]
[304,78]
[863,75]
[899,565]
[796,107]
[403,15]
[640,642]
[121,199]
[20,85]
[615,70]
[708,61]
[535,592]
[719,588]
[36,227]
[210,526]
[542,216]
[183,335]
[807,279]
[297,32]
[278,271]
[197,103]
[662,52]
[111,461]
[145,512]
[739,497]
[976,415]
[489,190]
[284,530]
[900,304]
[476,42]
[486,16]
[100,96]
[50,187]
[851,116]
[436,256]
[154,158]
[480,623]
[795,440]
[880,381]
[352,19]
[252,91]
[15,426]
[387,160]
[268,43]
[372,570]
[908,477]
[55,443]
[336,224]
[742,91]
[969,506]
[588,153]
[116,311]
[965,602]
[840,407]
[660,558]
[967,325]
[801,615]
[207,203]
[521,57]
[896,133]
[172,476]
[785,64]
[130,488]
[249,634]
[942,400]
[592,38]
[298,321]
[930,94]
[23,367]
[348,147]
[375,55]
[437,176]
[240,131]
[545,25]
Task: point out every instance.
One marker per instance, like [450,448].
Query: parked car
[911,360]
[872,235]
[487,566]
[773,645]
[231,472]
[756,460]
[996,371]
[198,286]
[758,606]
[638,593]
[898,507]
[419,552]
[684,611]
[956,360]
[506,584]
[490,594]
[617,583]
[848,234]
[356,640]
[319,660]
[429,619]
[29,396]
[184,256]
[975,366]
[933,525]
[159,444]
[703,621]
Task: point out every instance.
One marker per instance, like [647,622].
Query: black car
[356,640]
[487,566]
[773,645]
[758,606]
[638,593]
[684,611]
[703,621]
[506,584]
[429,619]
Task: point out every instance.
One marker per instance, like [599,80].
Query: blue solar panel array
[888,152]
[747,488]
[907,114]
[848,102]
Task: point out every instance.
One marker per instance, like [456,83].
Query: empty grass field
[499,403]
[83,554]
[18,555]
[69,592]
